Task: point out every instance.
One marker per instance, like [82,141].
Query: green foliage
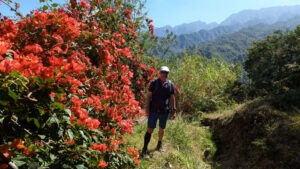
[273,65]
[202,82]
[186,145]
[158,46]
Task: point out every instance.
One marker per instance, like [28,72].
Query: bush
[273,64]
[71,81]
[202,82]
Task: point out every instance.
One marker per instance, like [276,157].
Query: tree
[273,65]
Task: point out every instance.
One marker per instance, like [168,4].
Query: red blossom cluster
[100,73]
[151,26]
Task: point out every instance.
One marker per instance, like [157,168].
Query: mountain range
[241,19]
[231,38]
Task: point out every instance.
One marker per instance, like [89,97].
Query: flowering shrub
[71,83]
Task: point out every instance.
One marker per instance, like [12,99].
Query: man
[159,97]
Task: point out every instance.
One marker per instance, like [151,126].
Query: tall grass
[202,82]
[186,146]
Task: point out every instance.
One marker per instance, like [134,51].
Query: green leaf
[70,133]
[54,5]
[4,102]
[13,95]
[57,105]
[60,132]
[68,111]
[42,136]
[52,157]
[83,135]
[19,160]
[33,166]
[45,7]
[52,120]
[49,80]
[81,166]
[36,122]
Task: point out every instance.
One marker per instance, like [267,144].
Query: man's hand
[147,112]
[173,114]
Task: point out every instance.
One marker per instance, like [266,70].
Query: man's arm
[148,100]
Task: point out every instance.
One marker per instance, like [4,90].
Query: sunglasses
[164,72]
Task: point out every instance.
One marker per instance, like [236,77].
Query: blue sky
[175,12]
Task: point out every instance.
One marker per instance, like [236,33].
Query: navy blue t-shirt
[161,95]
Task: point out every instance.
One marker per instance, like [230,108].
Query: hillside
[225,43]
[257,135]
[232,47]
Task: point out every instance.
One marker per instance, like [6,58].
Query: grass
[187,146]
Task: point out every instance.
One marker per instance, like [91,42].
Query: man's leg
[147,138]
[161,134]
[162,125]
[151,126]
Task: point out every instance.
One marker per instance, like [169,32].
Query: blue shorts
[153,117]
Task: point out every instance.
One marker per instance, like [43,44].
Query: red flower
[70,141]
[127,11]
[84,4]
[109,10]
[136,161]
[143,66]
[36,48]
[92,123]
[27,152]
[102,164]
[114,131]
[101,147]
[17,143]
[3,49]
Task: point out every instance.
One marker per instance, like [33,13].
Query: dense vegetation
[273,63]
[71,83]
[202,82]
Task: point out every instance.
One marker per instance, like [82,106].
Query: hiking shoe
[145,153]
[159,147]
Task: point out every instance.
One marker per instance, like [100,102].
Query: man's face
[163,75]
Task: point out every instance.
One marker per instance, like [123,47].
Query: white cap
[164,69]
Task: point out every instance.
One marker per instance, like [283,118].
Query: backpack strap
[170,85]
[155,86]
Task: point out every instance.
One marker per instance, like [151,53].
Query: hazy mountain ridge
[265,15]
[232,47]
[185,28]
[235,22]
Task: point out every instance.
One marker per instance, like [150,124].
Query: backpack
[156,86]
